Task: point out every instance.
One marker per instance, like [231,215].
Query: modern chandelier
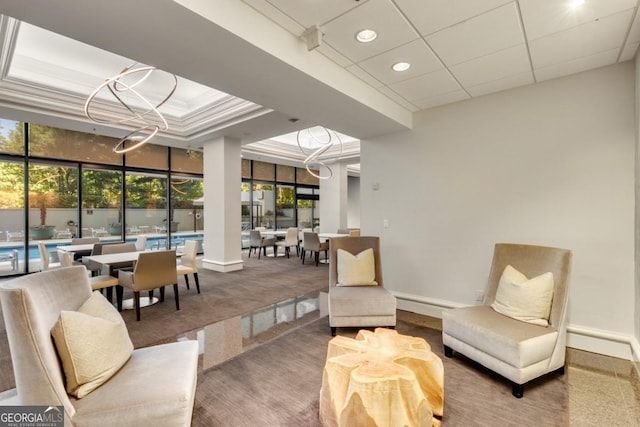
[320,140]
[134,107]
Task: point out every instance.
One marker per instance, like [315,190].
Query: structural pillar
[333,199]
[222,222]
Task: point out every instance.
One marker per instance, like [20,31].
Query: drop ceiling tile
[393,95]
[629,51]
[378,15]
[417,53]
[584,40]
[363,75]
[634,34]
[433,15]
[310,12]
[495,66]
[508,82]
[426,86]
[584,63]
[544,17]
[484,34]
[277,16]
[442,99]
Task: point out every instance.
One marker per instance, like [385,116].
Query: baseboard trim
[579,337]
[222,267]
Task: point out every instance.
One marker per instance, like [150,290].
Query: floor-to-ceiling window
[101,212]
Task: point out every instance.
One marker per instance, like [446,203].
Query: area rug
[278,384]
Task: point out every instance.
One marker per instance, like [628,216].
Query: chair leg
[260,252]
[161,294]
[333,331]
[250,247]
[119,292]
[109,292]
[136,300]
[195,275]
[448,351]
[175,295]
[317,256]
[186,280]
[517,390]
[303,255]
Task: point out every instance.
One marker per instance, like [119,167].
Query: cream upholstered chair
[141,243]
[154,269]
[45,258]
[257,242]
[311,244]
[358,305]
[116,248]
[188,263]
[517,350]
[98,283]
[290,240]
[136,395]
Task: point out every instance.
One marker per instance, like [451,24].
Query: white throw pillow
[93,344]
[356,270]
[524,299]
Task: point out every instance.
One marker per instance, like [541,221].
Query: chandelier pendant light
[125,88]
[322,139]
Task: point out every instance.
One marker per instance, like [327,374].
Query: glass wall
[58,184]
[285,207]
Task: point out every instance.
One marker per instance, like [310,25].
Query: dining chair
[291,239]
[312,244]
[98,283]
[301,239]
[188,263]
[154,269]
[256,241]
[141,243]
[45,258]
[84,240]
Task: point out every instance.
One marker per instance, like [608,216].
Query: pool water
[152,243]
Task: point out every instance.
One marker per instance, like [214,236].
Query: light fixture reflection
[366,36]
[576,3]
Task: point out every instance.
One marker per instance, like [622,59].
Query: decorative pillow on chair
[524,299]
[356,270]
[93,344]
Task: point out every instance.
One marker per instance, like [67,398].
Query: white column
[222,222]
[333,199]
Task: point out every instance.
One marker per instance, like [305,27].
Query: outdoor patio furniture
[62,234]
[15,236]
[12,258]
[99,232]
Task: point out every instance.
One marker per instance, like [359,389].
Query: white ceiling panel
[544,17]
[442,99]
[495,66]
[313,12]
[584,40]
[378,15]
[508,82]
[426,85]
[634,33]
[484,34]
[363,75]
[277,16]
[417,53]
[577,65]
[629,51]
[434,15]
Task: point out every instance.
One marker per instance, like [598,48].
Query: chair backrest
[31,305]
[354,245]
[84,240]
[261,228]
[533,261]
[141,243]
[118,248]
[155,269]
[255,237]
[65,259]
[301,233]
[310,241]
[190,253]
[343,231]
[291,239]
[44,255]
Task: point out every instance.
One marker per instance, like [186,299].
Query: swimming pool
[153,242]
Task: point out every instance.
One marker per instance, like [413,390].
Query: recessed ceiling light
[576,3]
[366,36]
[401,66]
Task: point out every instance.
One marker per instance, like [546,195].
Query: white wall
[353,202]
[549,164]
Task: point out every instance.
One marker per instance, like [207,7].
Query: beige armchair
[45,258]
[257,242]
[290,240]
[311,244]
[188,263]
[517,350]
[358,305]
[155,269]
[152,388]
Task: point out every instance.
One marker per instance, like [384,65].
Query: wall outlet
[479,296]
